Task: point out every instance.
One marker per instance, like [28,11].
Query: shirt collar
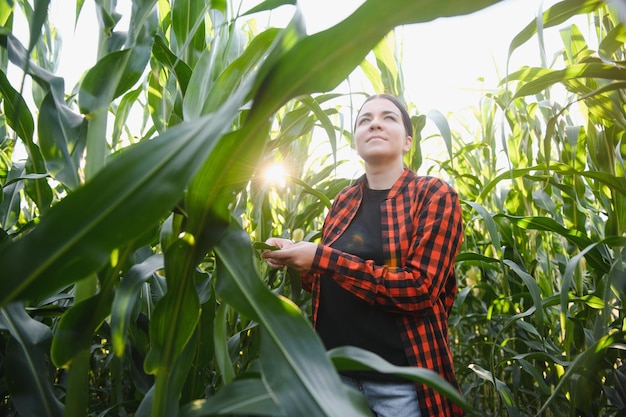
[406,176]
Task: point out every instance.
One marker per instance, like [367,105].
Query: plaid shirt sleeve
[422,232]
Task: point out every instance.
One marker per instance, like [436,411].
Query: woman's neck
[382,179]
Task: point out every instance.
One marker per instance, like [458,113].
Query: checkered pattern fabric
[422,232]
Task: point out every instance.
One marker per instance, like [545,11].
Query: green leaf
[616,274]
[19,118]
[163,397]
[116,72]
[123,112]
[543,200]
[76,327]
[166,57]
[373,75]
[387,63]
[323,118]
[177,313]
[612,42]
[203,351]
[545,78]
[321,196]
[569,277]
[614,182]
[477,257]
[38,18]
[555,15]
[245,396]
[6,14]
[11,195]
[63,116]
[18,115]
[108,79]
[20,57]
[62,138]
[295,366]
[219,5]
[173,327]
[188,27]
[205,95]
[264,246]
[444,128]
[220,335]
[594,353]
[350,358]
[503,390]
[126,296]
[534,290]
[490,223]
[576,48]
[269,5]
[29,378]
[76,236]
[596,251]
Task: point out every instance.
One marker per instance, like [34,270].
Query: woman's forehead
[379,105]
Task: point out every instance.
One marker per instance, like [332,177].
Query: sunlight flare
[275,174]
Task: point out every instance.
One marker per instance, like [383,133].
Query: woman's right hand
[281,243]
[299,256]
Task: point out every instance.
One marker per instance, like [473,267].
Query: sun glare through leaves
[275,174]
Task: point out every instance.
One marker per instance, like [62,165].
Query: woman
[382,277]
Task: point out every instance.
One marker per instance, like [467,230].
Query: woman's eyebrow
[384,112]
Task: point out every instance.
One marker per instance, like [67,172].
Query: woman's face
[379,134]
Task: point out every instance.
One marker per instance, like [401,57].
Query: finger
[274,265]
[273,254]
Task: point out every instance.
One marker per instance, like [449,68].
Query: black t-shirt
[343,319]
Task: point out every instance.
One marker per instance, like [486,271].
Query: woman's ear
[408,142]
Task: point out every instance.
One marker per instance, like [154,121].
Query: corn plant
[129,282]
[539,326]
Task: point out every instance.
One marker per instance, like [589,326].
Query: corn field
[130,282]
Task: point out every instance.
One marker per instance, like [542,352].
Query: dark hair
[406,119]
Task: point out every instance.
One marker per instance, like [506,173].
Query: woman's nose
[375,123]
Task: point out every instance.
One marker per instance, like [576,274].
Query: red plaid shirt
[422,231]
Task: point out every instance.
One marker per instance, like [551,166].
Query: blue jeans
[387,398]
